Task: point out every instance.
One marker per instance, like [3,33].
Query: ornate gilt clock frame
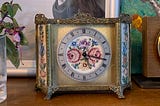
[49,33]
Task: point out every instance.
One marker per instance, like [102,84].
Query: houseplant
[10,44]
[14,35]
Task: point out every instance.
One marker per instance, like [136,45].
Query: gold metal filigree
[40,19]
[82,18]
[118,90]
[125,18]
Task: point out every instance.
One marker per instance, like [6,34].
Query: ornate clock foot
[51,91]
[118,90]
[36,88]
[48,96]
[120,95]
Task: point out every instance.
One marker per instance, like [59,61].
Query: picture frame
[50,77]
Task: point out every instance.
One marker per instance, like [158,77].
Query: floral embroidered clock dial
[84,54]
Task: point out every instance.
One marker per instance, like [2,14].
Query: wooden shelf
[21,93]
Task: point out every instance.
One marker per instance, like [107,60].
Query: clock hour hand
[84,54]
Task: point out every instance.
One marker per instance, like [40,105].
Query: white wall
[26,18]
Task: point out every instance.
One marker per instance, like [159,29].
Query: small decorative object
[158,44]
[83,53]
[151,46]
[11,39]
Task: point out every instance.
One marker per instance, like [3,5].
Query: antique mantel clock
[83,53]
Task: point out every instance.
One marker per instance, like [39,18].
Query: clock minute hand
[97,57]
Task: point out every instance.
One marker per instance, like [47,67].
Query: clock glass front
[84,54]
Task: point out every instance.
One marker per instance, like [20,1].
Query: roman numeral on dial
[64,66]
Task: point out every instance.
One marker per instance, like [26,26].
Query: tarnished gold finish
[125,18]
[49,33]
[40,19]
[158,44]
[82,18]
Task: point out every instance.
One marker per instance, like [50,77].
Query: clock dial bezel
[75,34]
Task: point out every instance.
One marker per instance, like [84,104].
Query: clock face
[84,54]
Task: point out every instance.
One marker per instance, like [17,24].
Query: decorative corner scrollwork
[118,90]
[40,19]
[125,18]
[84,18]
[51,90]
[79,18]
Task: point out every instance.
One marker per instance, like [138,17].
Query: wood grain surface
[21,93]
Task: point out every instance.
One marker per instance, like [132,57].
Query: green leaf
[15,9]
[12,53]
[4,9]
[10,10]
[18,6]
[24,40]
[4,6]
[15,24]
[8,25]
[1,29]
